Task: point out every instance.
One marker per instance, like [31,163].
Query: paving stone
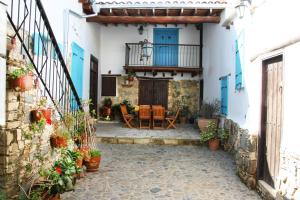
[147,172]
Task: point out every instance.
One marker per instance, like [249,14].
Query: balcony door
[166,52]
[153,92]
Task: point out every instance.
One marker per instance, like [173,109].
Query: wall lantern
[146,49]
[141,30]
[241,7]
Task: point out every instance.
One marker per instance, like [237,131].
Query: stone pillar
[3,31]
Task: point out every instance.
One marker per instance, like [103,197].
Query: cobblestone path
[142,172]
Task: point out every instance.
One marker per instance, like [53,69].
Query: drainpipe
[66,19]
[201,62]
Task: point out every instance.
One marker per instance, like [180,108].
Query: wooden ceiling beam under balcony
[154,19]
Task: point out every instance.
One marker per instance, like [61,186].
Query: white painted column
[3,28]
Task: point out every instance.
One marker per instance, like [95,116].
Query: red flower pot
[23,83]
[214,144]
[93,164]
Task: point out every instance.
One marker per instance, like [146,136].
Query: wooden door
[94,84]
[153,92]
[160,93]
[271,120]
[145,92]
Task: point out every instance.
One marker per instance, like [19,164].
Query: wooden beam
[164,69]
[154,19]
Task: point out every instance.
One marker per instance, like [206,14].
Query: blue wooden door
[77,68]
[165,55]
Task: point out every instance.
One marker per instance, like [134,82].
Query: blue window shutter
[224,95]
[54,55]
[238,68]
[39,49]
[38,46]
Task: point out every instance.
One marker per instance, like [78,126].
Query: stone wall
[244,148]
[22,151]
[288,182]
[186,91]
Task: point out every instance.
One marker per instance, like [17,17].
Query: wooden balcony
[154,58]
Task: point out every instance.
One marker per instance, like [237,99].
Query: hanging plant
[21,79]
[42,111]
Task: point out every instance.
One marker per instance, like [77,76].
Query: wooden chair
[127,117]
[158,115]
[172,119]
[145,115]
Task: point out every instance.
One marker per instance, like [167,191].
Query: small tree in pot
[213,135]
[208,113]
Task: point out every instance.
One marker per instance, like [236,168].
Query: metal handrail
[30,24]
[146,54]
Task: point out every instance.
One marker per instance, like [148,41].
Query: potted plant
[106,108]
[208,113]
[21,79]
[131,75]
[213,135]
[116,111]
[42,111]
[92,161]
[184,112]
[59,138]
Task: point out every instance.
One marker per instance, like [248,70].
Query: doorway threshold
[266,190]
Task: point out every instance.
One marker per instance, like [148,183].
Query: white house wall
[113,39]
[86,35]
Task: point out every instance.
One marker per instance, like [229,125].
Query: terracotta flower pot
[130,78]
[79,162]
[93,164]
[23,83]
[203,123]
[53,197]
[36,115]
[214,144]
[183,120]
[58,142]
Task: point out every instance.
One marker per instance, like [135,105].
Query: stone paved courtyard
[142,172]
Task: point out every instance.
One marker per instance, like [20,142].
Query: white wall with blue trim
[113,39]
[69,28]
[260,31]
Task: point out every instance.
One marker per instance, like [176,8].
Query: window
[42,46]
[108,86]
[224,95]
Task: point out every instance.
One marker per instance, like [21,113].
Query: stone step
[138,140]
